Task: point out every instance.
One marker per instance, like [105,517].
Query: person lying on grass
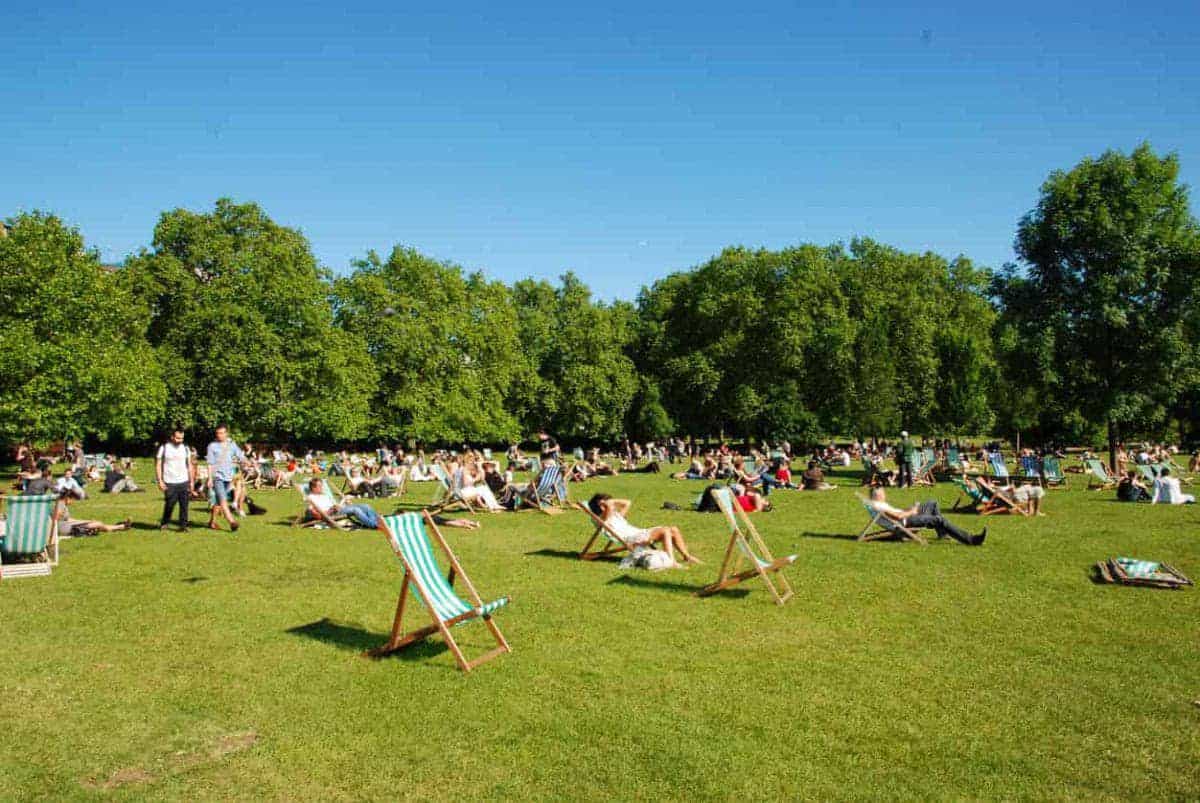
[923,515]
[612,512]
[749,499]
[69,527]
[321,508]
[1027,496]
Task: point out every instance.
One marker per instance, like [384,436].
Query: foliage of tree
[73,361]
[445,346]
[241,320]
[1106,314]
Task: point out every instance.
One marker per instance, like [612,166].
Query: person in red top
[750,500]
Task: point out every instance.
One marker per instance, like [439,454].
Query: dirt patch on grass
[223,746]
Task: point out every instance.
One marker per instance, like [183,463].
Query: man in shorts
[222,456]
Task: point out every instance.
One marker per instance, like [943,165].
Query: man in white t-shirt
[176,474]
[1167,490]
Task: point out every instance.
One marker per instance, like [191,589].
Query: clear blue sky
[621,142]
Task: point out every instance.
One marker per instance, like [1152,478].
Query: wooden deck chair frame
[449,491]
[539,498]
[399,639]
[977,498]
[893,529]
[1100,480]
[998,502]
[613,544]
[49,551]
[747,546]
[301,519]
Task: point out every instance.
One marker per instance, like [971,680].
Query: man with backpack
[176,474]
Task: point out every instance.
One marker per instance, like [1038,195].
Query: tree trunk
[1112,445]
[1018,441]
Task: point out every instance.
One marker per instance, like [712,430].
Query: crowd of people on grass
[226,472]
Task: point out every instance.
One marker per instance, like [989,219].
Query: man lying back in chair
[924,515]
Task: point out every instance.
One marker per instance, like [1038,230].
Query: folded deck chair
[302,519]
[884,527]
[408,534]
[613,544]
[1101,479]
[747,546]
[29,532]
[1133,572]
[449,492]
[1052,473]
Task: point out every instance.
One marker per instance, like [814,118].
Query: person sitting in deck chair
[924,515]
[612,513]
[1167,491]
[749,499]
[1027,496]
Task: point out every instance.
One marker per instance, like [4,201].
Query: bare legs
[671,539]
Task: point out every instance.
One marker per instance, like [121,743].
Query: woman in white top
[612,512]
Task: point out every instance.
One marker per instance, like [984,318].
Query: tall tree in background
[1113,257]
[241,321]
[73,358]
[445,347]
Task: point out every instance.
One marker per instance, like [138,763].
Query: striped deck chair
[973,492]
[1130,571]
[953,461]
[408,534]
[1100,476]
[613,544]
[747,546]
[1052,473]
[996,500]
[998,467]
[1031,469]
[302,519]
[448,493]
[550,490]
[884,527]
[29,530]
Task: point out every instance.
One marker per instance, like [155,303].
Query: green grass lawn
[211,665]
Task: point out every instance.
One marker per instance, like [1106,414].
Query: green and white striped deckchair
[408,534]
[449,491]
[746,545]
[1052,473]
[29,530]
[1102,480]
[880,527]
[953,461]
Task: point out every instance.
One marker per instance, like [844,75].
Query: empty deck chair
[1100,476]
[30,531]
[550,490]
[408,535]
[1031,469]
[998,467]
[1133,572]
[953,461]
[746,546]
[884,527]
[1052,473]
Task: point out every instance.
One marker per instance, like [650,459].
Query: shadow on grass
[352,637]
[193,580]
[830,536]
[572,554]
[671,586]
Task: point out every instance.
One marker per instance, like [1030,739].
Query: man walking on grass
[904,454]
[176,474]
[222,456]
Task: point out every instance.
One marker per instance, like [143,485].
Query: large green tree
[445,346]
[242,324]
[1107,309]
[73,357]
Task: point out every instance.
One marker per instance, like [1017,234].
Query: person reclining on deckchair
[612,513]
[322,507]
[924,515]
[1025,498]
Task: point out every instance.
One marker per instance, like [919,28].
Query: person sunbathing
[70,527]
[612,512]
[474,486]
[749,499]
[1027,496]
[923,515]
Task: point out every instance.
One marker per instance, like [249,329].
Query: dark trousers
[176,492]
[929,516]
[904,479]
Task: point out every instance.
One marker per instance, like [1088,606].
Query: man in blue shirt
[222,456]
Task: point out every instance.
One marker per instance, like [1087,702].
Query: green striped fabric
[27,530]
[407,534]
[999,468]
[1098,470]
[973,491]
[1053,469]
[1138,568]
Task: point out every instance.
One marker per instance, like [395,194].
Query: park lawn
[208,665]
